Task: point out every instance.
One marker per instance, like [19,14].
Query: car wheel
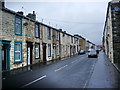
[96,56]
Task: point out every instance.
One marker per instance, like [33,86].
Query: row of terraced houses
[26,41]
[111,34]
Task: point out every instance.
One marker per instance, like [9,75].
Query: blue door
[5,55]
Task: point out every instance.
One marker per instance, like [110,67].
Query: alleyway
[75,72]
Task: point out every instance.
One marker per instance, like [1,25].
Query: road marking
[74,61]
[61,68]
[91,72]
[78,59]
[34,81]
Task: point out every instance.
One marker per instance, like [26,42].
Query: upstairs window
[57,35]
[18,25]
[37,35]
[71,39]
[49,33]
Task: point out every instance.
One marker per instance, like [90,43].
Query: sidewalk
[105,74]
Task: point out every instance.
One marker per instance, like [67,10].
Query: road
[74,72]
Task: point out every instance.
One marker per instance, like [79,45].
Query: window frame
[49,33]
[71,39]
[49,45]
[57,48]
[57,35]
[15,27]
[18,42]
[36,24]
[38,50]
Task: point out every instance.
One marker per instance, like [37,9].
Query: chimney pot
[33,12]
[20,12]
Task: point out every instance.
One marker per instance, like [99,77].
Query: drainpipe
[59,47]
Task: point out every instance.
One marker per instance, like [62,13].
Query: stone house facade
[111,34]
[76,45]
[26,41]
[82,42]
[21,40]
[56,43]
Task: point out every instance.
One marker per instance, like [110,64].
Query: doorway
[44,53]
[6,55]
[29,53]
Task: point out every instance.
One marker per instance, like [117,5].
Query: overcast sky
[85,18]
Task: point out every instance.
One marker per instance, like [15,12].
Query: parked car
[81,52]
[92,53]
[97,51]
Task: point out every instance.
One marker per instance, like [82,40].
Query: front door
[54,48]
[5,55]
[44,52]
[29,53]
[4,58]
[28,58]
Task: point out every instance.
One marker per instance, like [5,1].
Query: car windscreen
[92,51]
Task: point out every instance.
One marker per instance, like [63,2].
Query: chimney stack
[60,30]
[20,12]
[2,4]
[32,16]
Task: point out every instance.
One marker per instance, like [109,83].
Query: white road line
[91,72]
[74,61]
[61,68]
[34,81]
[78,59]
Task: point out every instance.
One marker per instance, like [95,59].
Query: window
[49,33]
[37,50]
[49,50]
[17,51]
[71,40]
[57,35]
[57,48]
[18,25]
[37,35]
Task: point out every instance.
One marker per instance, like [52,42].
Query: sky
[83,17]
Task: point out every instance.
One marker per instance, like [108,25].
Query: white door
[28,55]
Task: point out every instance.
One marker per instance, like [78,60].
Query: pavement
[105,75]
[75,72]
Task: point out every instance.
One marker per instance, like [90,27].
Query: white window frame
[37,50]
[49,50]
[16,51]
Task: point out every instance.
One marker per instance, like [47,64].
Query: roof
[15,13]
[79,36]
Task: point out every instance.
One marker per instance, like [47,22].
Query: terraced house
[21,40]
[111,34]
[26,41]
[56,44]
[82,42]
